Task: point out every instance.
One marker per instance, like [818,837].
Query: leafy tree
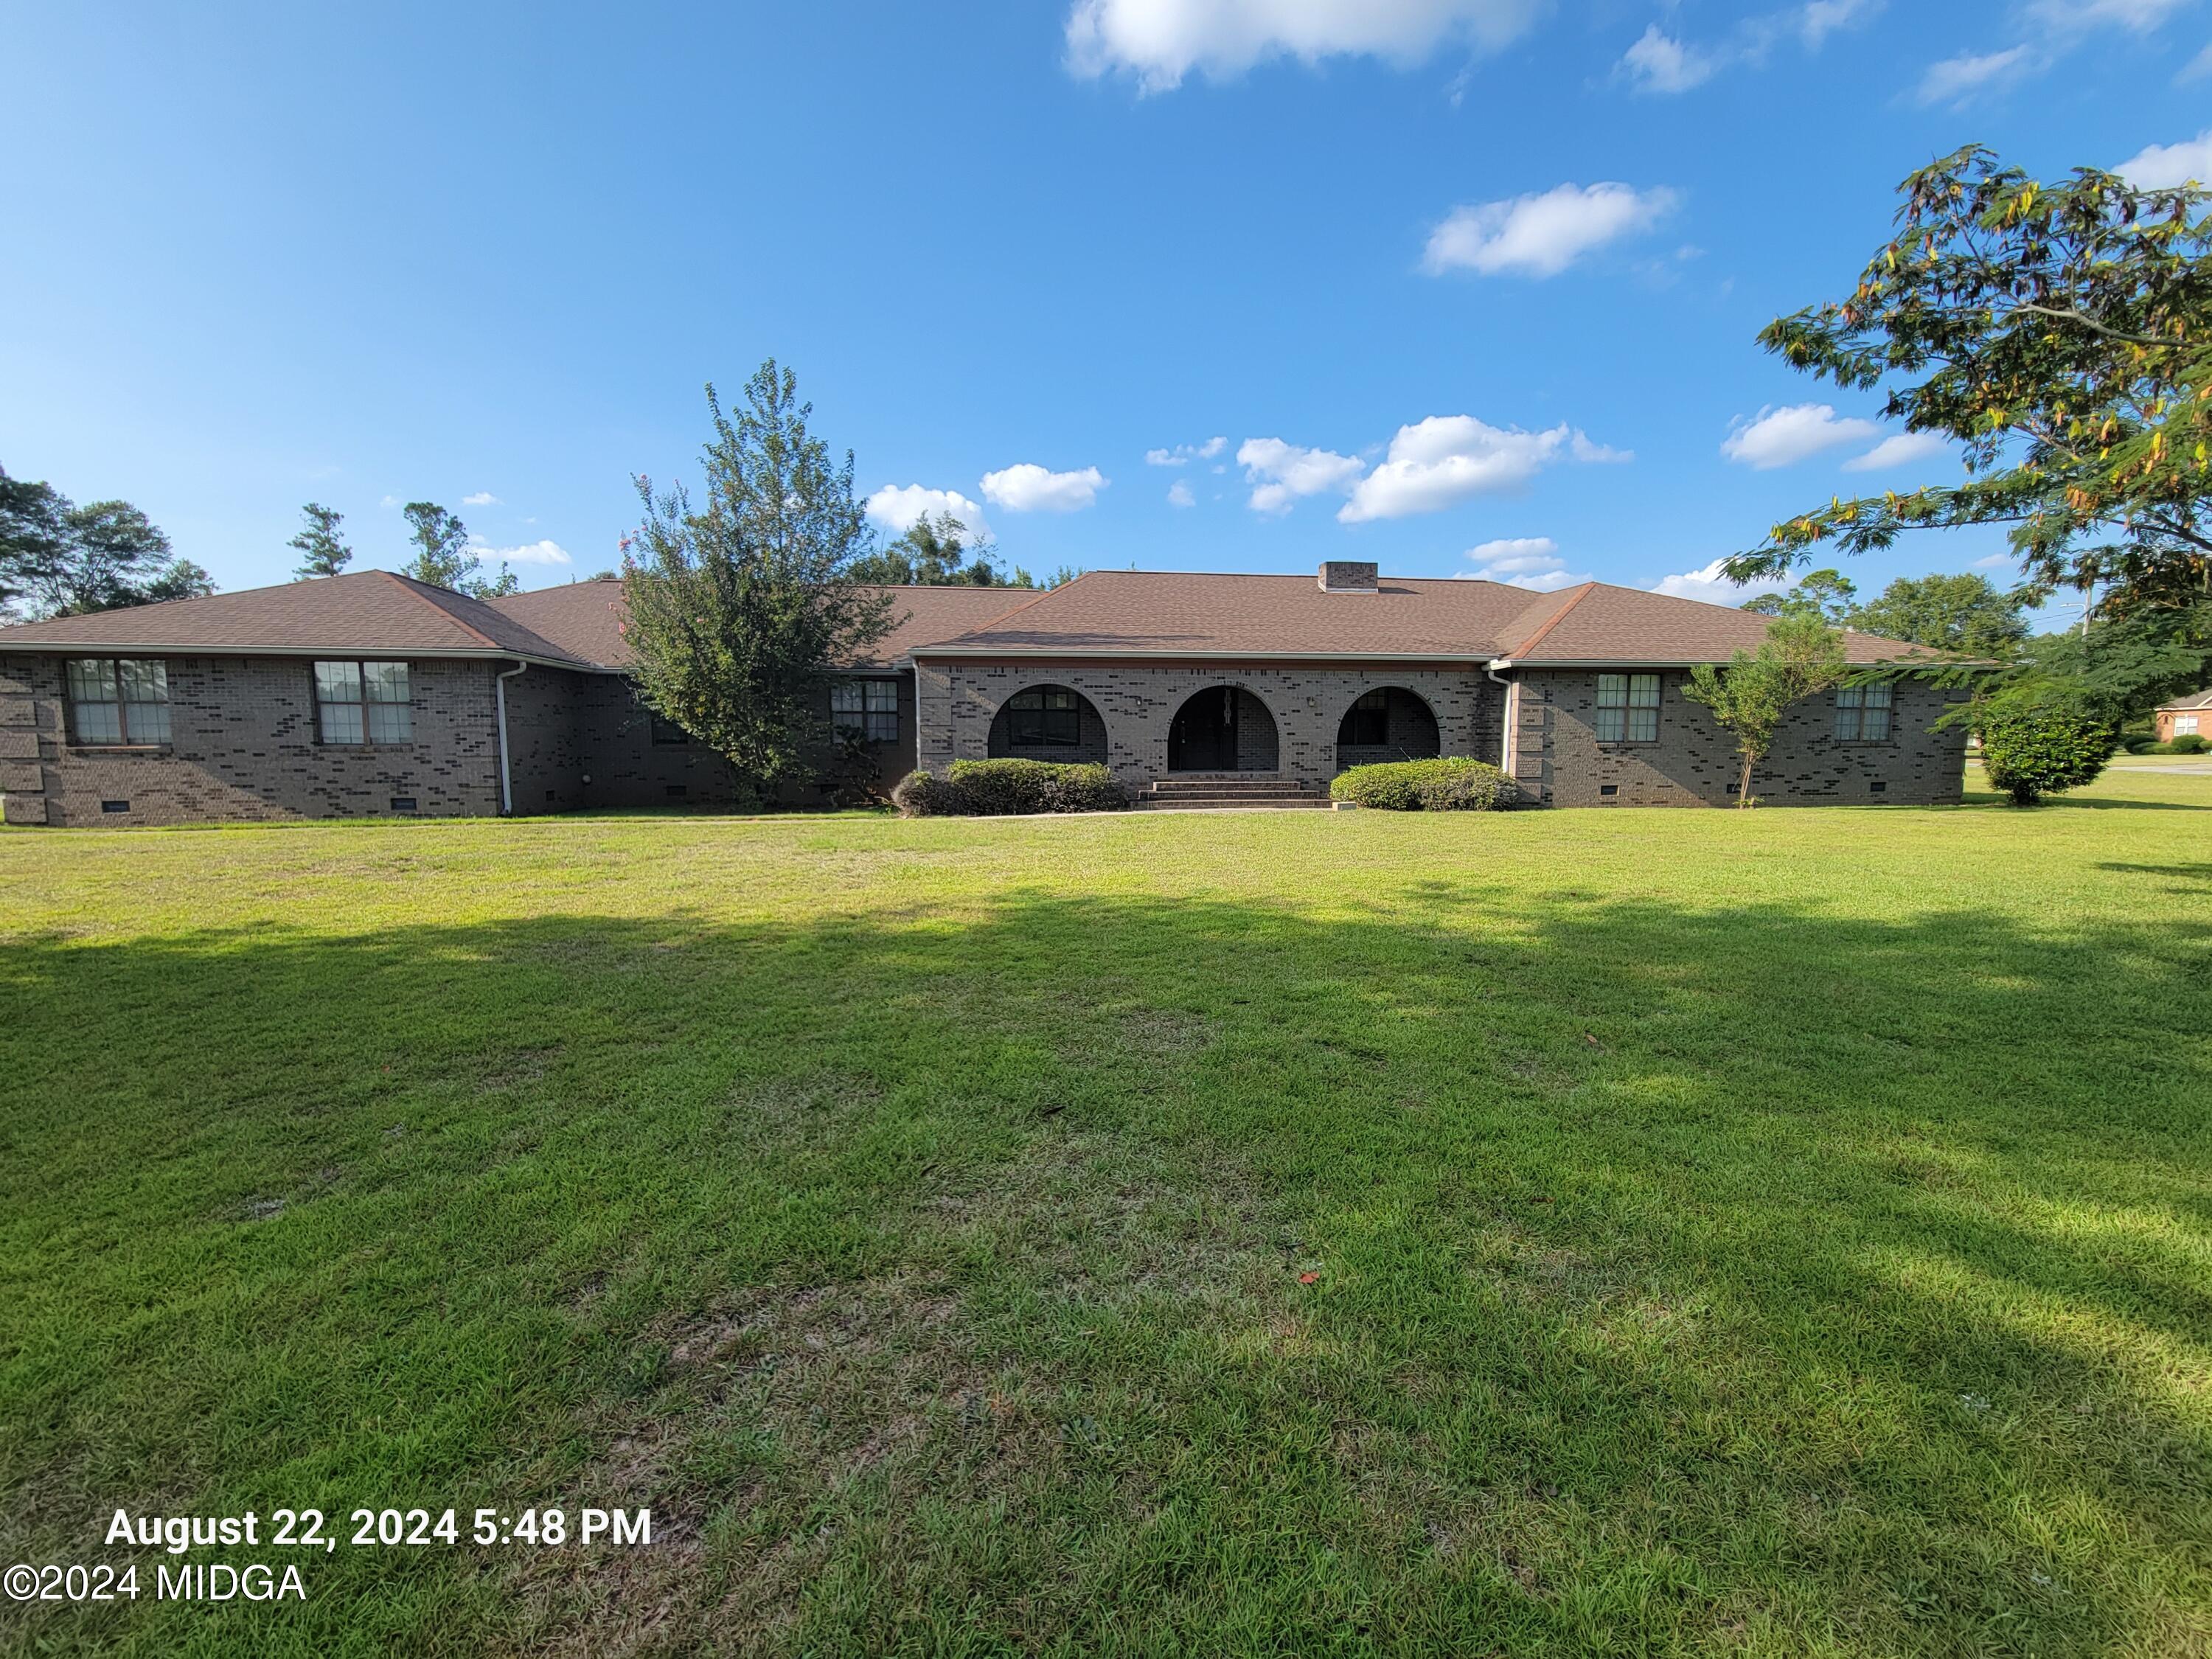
[58,559]
[2056,333]
[322,551]
[2124,667]
[1800,657]
[445,557]
[939,552]
[1827,594]
[1965,613]
[740,606]
[2037,740]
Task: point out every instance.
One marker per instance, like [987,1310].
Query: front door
[1203,736]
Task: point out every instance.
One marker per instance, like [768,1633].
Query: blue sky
[1457,285]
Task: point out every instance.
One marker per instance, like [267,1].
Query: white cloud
[2162,166]
[1994,560]
[1183,454]
[1819,19]
[1709,584]
[1027,487]
[482,498]
[389,501]
[1956,80]
[546,552]
[2071,15]
[1281,472]
[1162,42]
[1541,235]
[1529,562]
[1447,458]
[901,507]
[1783,437]
[2196,68]
[1179,493]
[1659,63]
[1899,449]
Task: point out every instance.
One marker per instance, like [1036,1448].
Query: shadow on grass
[1683,1279]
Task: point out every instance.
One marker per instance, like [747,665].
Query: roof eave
[180,649]
[1215,655]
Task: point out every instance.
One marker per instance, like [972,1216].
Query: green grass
[1783,1232]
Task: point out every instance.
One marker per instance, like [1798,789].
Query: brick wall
[1559,758]
[1137,702]
[243,747]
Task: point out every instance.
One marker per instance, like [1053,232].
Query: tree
[2124,667]
[2037,741]
[939,552]
[445,557]
[2055,332]
[1827,594]
[322,551]
[1800,657]
[1967,614]
[738,607]
[62,559]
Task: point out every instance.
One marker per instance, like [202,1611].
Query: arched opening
[1223,728]
[1387,724]
[1048,723]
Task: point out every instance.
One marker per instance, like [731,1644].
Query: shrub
[996,788]
[2035,747]
[1452,785]
[2189,743]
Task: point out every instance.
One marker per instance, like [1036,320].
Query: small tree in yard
[1800,657]
[2036,742]
[739,606]
[322,551]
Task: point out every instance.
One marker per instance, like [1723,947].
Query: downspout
[498,690]
[1505,722]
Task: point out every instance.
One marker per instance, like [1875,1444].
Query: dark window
[1878,788]
[1608,789]
[868,708]
[1368,725]
[1863,714]
[361,703]
[667,734]
[1047,718]
[679,790]
[1628,708]
[403,803]
[115,807]
[122,703]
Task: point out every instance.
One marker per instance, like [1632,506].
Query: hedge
[989,788]
[1451,785]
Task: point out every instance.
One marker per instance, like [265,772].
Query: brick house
[2184,715]
[370,694]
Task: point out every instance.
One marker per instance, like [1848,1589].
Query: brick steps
[1230,790]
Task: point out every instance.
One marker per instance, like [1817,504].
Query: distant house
[370,694]
[2184,715]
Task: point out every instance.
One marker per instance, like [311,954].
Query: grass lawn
[1783,1232]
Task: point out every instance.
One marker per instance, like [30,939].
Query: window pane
[92,682]
[1877,697]
[1059,700]
[883,695]
[1026,700]
[882,727]
[1612,691]
[341,722]
[1611,723]
[337,682]
[1644,691]
[1643,725]
[145,680]
[98,722]
[390,722]
[1877,725]
[384,682]
[1847,722]
[845,697]
[147,722]
[1849,697]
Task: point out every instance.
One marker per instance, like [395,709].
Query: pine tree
[322,551]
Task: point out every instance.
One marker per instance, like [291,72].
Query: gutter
[499,692]
[1064,653]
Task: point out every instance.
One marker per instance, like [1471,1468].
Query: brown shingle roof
[585,618]
[2182,705]
[369,610]
[1598,623]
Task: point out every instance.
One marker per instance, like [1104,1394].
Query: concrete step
[1230,803]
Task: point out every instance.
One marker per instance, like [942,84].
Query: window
[869,707]
[1863,714]
[1628,708]
[123,703]
[1368,725]
[667,734]
[2184,724]
[1047,718]
[363,702]
[403,803]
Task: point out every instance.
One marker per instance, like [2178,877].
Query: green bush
[1451,785]
[2035,747]
[989,788]
[2189,743]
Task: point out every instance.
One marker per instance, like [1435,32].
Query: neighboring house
[370,694]
[2184,715]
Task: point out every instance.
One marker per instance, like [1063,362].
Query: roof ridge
[1552,621]
[409,584]
[1042,594]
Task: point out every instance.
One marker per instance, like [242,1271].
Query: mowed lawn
[1622,1232]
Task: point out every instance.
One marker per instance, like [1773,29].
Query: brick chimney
[1344,576]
